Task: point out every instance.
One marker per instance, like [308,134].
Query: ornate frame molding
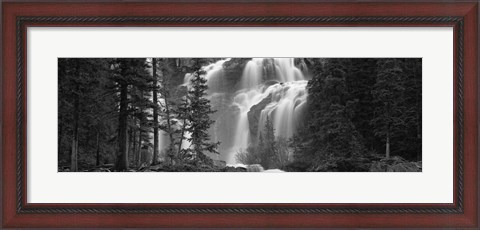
[22,208]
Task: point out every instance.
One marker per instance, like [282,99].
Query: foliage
[199,110]
[249,156]
[270,151]
[80,85]
[283,153]
[267,145]
[353,104]
[108,113]
[332,109]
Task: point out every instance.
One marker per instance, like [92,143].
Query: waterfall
[252,74]
[214,75]
[286,106]
[275,82]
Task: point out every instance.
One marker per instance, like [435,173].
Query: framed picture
[143,114]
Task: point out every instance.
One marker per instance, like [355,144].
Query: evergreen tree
[389,121]
[199,118]
[109,108]
[183,115]
[81,114]
[167,94]
[360,80]
[249,156]
[282,156]
[134,86]
[411,144]
[331,110]
[155,110]
[267,145]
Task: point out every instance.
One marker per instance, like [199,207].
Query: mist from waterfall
[276,78]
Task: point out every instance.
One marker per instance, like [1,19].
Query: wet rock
[157,168]
[234,169]
[254,116]
[301,65]
[219,163]
[255,168]
[271,82]
[273,171]
[269,70]
[229,169]
[142,166]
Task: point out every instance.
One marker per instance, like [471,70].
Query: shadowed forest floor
[372,163]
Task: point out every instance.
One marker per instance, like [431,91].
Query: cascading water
[274,86]
[288,101]
[252,74]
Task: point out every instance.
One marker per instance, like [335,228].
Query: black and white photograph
[261,114]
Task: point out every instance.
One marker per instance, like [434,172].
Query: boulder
[255,168]
[234,169]
[269,69]
[273,171]
[229,169]
[157,168]
[271,82]
[219,163]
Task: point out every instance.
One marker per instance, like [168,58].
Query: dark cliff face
[235,66]
[254,117]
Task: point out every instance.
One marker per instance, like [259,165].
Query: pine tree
[121,163]
[389,96]
[411,143]
[81,113]
[183,114]
[169,126]
[267,145]
[330,113]
[134,84]
[155,110]
[282,156]
[199,118]
[360,80]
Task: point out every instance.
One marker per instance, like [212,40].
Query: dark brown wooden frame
[462,16]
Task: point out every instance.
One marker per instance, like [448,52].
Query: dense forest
[239,114]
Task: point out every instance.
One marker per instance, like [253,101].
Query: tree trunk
[169,127]
[98,149]
[141,158]
[181,138]
[155,112]
[131,151]
[387,146]
[140,132]
[184,125]
[76,117]
[59,140]
[134,147]
[419,126]
[122,155]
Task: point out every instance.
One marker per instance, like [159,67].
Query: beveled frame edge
[24,208]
